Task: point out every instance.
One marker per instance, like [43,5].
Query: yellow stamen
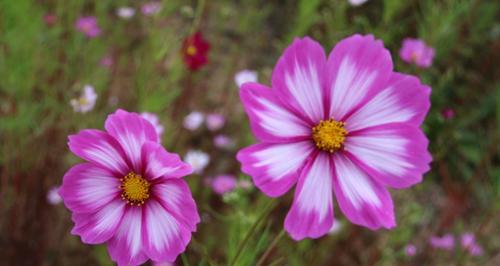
[329,135]
[191,50]
[135,189]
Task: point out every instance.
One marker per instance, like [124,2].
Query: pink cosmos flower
[446,242]
[151,8]
[468,241]
[223,184]
[130,193]
[410,250]
[223,142]
[448,113]
[106,61]
[215,121]
[193,120]
[331,125]
[89,26]
[417,52]
[476,250]
[50,19]
[53,196]
[155,121]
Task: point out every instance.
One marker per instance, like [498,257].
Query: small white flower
[245,76]
[86,101]
[125,12]
[53,196]
[193,121]
[197,159]
[155,121]
[357,2]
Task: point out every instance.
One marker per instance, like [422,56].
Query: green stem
[252,230]
[197,16]
[185,262]
[271,247]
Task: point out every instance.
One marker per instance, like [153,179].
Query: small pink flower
[223,184]
[467,240]
[89,26]
[223,142]
[86,101]
[410,250]
[476,250]
[155,121]
[245,76]
[106,61]
[328,126]
[448,113]
[129,193]
[151,8]
[50,19]
[53,196]
[193,120]
[215,121]
[446,242]
[417,52]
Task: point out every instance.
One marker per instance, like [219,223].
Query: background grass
[42,67]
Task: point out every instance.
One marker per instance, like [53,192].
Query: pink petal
[311,214]
[393,154]
[99,147]
[131,131]
[160,163]
[99,227]
[164,237]
[270,120]
[299,78]
[403,99]
[87,188]
[175,196]
[362,200]
[126,248]
[358,68]
[274,168]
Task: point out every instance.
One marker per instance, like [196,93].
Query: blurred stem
[271,247]
[197,16]
[203,251]
[253,229]
[185,262]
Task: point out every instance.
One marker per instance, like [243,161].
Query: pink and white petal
[299,78]
[311,214]
[131,131]
[87,188]
[404,99]
[160,163]
[358,68]
[126,248]
[175,196]
[274,168]
[99,227]
[362,200]
[164,237]
[99,147]
[395,155]
[270,119]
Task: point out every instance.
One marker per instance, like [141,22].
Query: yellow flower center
[191,50]
[329,135]
[135,189]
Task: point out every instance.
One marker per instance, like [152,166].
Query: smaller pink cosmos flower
[106,61]
[155,121]
[50,19]
[245,76]
[151,8]
[129,193]
[193,120]
[223,142]
[410,250]
[448,113]
[215,121]
[89,26]
[417,52]
[468,241]
[53,196]
[86,101]
[446,242]
[223,184]
[476,250]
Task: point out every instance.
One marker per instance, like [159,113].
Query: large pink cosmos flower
[345,125]
[129,194]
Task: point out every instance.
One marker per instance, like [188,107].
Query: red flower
[194,51]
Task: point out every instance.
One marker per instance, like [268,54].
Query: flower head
[335,123]
[446,242]
[417,52]
[448,113]
[155,121]
[223,184]
[215,121]
[410,250]
[129,193]
[106,61]
[86,101]
[468,241]
[89,26]
[193,120]
[197,159]
[223,141]
[53,196]
[151,8]
[245,76]
[125,12]
[50,19]
[194,51]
